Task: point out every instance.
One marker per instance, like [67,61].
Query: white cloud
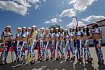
[33,1]
[14,7]
[22,2]
[78,5]
[37,6]
[47,22]
[89,19]
[93,18]
[80,24]
[19,6]
[53,21]
[81,5]
[60,20]
[74,23]
[44,0]
[68,12]
[63,2]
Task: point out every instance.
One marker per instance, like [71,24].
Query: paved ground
[57,65]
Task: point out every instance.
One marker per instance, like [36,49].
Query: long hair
[51,31]
[70,30]
[8,31]
[77,29]
[23,31]
[46,32]
[42,32]
[61,30]
[66,33]
[96,25]
[56,31]
[87,31]
[32,31]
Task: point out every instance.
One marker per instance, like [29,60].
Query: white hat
[8,26]
[34,26]
[19,28]
[42,28]
[47,29]
[66,29]
[52,29]
[29,27]
[24,27]
[57,28]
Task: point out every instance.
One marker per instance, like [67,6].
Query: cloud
[37,6]
[68,13]
[78,5]
[47,22]
[22,2]
[81,5]
[33,1]
[74,23]
[44,0]
[89,19]
[59,20]
[53,21]
[19,6]
[80,24]
[14,7]
[93,18]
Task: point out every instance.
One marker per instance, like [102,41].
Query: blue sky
[18,13]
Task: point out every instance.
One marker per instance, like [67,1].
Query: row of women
[62,43]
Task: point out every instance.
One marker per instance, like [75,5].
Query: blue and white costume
[72,34]
[87,55]
[57,35]
[46,43]
[67,48]
[97,44]
[24,45]
[29,46]
[79,49]
[8,43]
[61,43]
[52,35]
[33,45]
[18,44]
[42,47]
